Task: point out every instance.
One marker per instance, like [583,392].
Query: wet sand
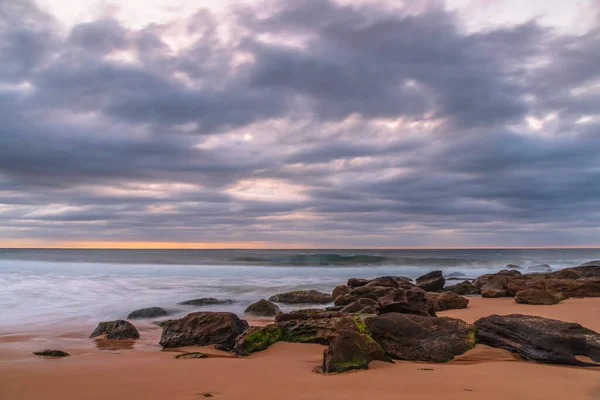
[141,371]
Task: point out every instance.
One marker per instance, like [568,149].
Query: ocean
[53,287]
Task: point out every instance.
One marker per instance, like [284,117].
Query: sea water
[45,287]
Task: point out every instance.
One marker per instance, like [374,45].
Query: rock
[455,275]
[203,328]
[362,292]
[463,288]
[257,338]
[540,268]
[195,354]
[513,266]
[538,297]
[263,308]
[447,301]
[583,287]
[334,308]
[357,282]
[206,301]
[431,282]
[587,270]
[540,339]
[118,329]
[151,312]
[412,301]
[339,291]
[352,350]
[419,338]
[565,274]
[302,296]
[496,285]
[493,293]
[391,281]
[361,306]
[51,353]
[313,325]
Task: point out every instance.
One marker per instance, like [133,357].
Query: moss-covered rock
[314,326]
[257,338]
[352,350]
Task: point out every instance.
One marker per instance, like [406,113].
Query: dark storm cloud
[312,122]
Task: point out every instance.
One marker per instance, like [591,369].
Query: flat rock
[419,338]
[431,282]
[51,353]
[203,328]
[150,312]
[206,301]
[352,350]
[119,329]
[540,339]
[537,297]
[263,308]
[195,354]
[302,297]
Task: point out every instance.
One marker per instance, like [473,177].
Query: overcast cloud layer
[299,122]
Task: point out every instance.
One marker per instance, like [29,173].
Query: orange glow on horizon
[252,245]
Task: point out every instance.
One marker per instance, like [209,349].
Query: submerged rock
[352,350]
[51,353]
[537,297]
[151,312]
[540,339]
[420,338]
[301,297]
[513,266]
[257,338]
[206,301]
[119,329]
[203,328]
[431,282]
[263,308]
[540,268]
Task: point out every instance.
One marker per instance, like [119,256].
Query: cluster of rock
[542,288]
[389,318]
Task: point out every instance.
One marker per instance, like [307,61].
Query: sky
[299,124]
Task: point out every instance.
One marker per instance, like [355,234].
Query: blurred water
[47,287]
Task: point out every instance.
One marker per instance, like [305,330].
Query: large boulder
[537,297]
[302,297]
[351,350]
[583,287]
[263,308]
[447,301]
[339,291]
[257,338]
[540,339]
[419,338]
[151,312]
[119,329]
[412,301]
[463,288]
[205,301]
[431,282]
[313,325]
[203,328]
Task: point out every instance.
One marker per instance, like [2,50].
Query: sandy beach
[127,370]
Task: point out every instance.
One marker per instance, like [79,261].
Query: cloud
[352,125]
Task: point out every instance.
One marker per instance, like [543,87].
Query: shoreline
[141,370]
